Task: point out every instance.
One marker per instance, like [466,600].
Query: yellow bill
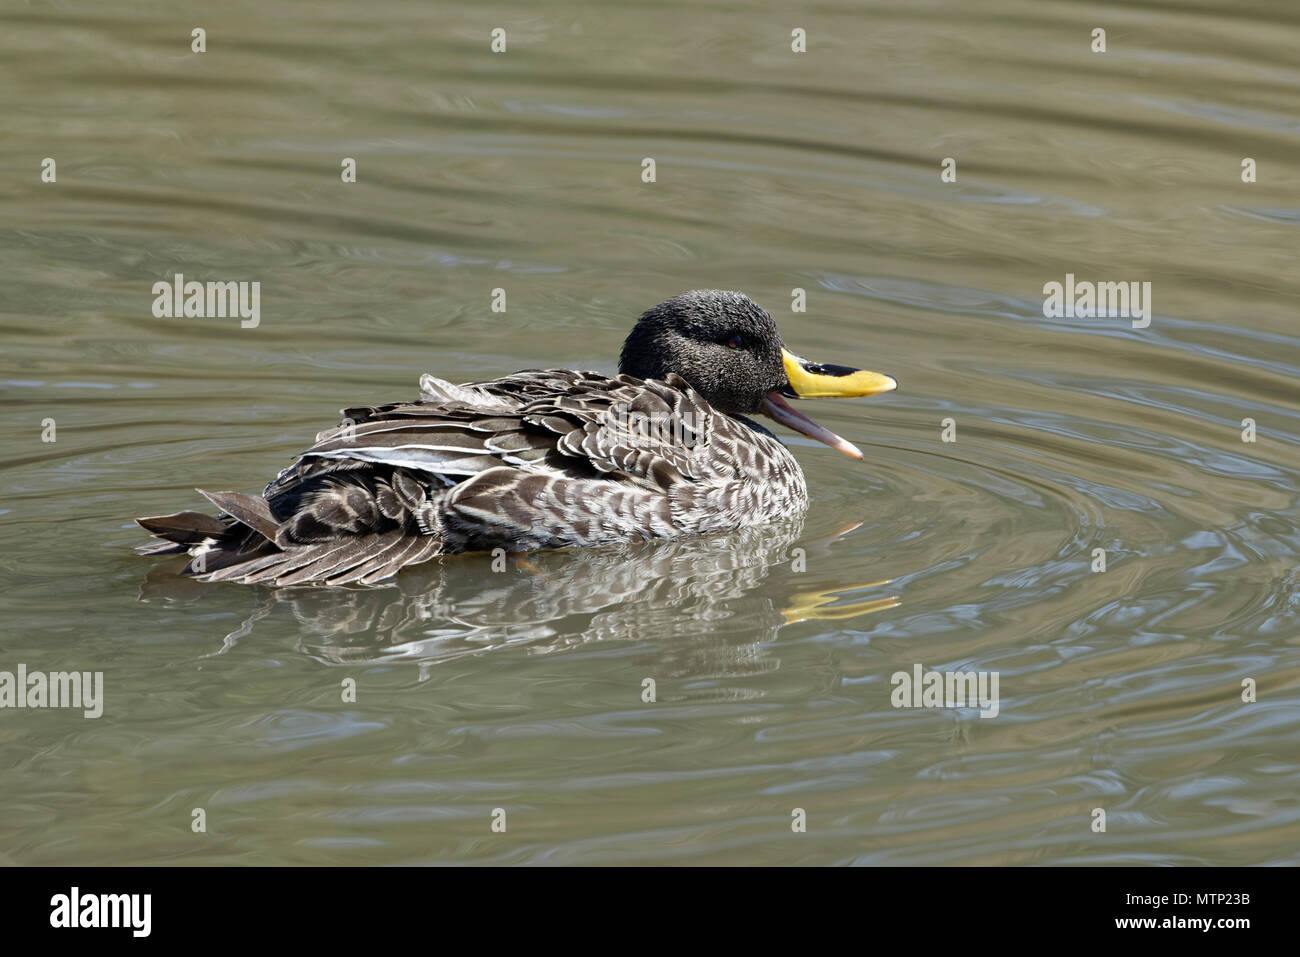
[816,380]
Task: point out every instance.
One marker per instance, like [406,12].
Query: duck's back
[538,459]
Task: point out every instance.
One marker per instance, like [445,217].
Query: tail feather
[232,566]
[161,548]
[322,561]
[333,528]
[241,546]
[402,552]
[369,557]
[253,512]
[185,528]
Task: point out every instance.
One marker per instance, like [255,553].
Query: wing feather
[542,458]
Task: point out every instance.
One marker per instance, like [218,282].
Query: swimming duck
[538,459]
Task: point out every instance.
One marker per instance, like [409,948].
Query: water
[771,650]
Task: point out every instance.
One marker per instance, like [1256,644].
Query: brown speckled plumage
[538,459]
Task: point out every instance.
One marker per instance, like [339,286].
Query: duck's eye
[736,342]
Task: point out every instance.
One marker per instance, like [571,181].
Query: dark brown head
[723,343]
[727,347]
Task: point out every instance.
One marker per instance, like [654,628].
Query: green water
[771,651]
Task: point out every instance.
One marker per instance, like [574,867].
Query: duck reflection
[710,602]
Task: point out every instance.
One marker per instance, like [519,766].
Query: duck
[540,459]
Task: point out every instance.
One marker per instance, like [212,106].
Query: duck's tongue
[779,409]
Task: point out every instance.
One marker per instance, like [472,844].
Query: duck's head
[727,347]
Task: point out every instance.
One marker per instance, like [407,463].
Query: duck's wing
[539,459]
[579,424]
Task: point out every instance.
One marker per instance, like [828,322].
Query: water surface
[772,649]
